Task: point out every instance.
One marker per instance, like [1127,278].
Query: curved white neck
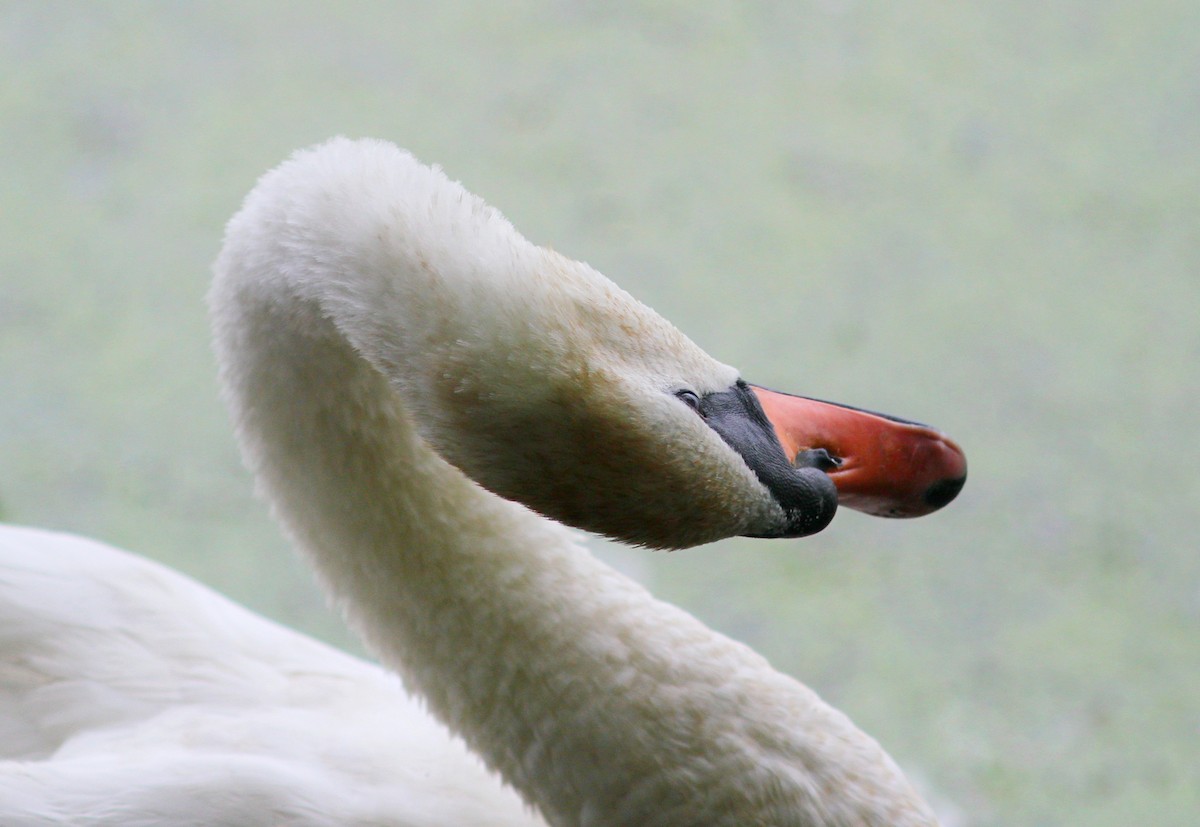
[600,704]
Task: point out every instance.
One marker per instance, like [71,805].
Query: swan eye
[690,399]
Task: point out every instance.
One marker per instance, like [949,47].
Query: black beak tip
[942,492]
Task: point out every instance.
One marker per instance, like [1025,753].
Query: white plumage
[131,695]
[404,369]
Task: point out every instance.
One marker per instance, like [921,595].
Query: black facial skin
[804,491]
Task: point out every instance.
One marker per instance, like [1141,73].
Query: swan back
[131,695]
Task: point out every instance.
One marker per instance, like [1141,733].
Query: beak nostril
[818,458]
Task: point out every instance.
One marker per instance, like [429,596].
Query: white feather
[131,695]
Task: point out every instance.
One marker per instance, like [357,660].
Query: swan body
[132,696]
[428,400]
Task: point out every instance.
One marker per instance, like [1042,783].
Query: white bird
[425,398]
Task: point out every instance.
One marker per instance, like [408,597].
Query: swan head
[580,402]
[547,384]
[626,428]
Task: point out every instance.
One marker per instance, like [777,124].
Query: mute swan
[425,398]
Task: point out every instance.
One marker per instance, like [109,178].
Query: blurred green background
[982,215]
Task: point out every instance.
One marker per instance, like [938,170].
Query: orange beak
[881,465]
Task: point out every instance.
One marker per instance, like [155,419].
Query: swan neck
[599,704]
